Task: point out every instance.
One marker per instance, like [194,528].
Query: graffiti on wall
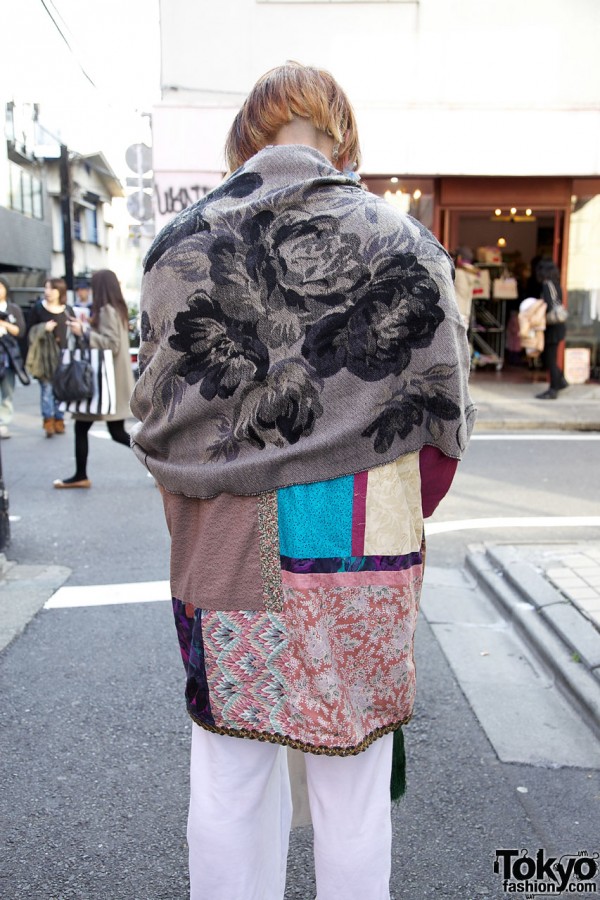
[174,192]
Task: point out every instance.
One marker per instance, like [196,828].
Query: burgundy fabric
[437,474]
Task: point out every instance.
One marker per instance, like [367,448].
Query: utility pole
[65,209]
[4,520]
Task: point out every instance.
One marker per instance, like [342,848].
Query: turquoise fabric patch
[315,520]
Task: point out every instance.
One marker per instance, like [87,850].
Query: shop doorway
[505,245]
[506,224]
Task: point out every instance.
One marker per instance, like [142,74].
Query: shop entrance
[505,225]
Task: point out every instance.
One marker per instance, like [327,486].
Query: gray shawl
[295,328]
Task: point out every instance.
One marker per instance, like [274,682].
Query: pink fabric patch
[311,581]
[350,666]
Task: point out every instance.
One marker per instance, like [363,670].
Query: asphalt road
[94,734]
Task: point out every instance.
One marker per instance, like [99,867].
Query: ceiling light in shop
[399,198]
[394,180]
[417,194]
[512,216]
[501,242]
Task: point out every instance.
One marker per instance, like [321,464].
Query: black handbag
[74,378]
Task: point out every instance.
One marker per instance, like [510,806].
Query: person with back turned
[302,404]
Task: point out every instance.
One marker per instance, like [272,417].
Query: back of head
[288,91]
[106,291]
[465,255]
[546,270]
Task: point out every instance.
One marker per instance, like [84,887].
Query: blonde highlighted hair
[285,92]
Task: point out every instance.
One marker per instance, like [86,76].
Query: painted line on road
[535,436]
[513,522]
[109,594]
[155,591]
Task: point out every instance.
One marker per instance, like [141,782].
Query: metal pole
[4,520]
[65,208]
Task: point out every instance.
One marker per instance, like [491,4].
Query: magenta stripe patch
[359,513]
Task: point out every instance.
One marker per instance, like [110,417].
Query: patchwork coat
[302,404]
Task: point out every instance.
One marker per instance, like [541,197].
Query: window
[25,192]
[77,230]
[91,226]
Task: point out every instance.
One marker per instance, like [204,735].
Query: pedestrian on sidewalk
[466,278]
[12,328]
[548,275]
[107,329]
[303,402]
[48,319]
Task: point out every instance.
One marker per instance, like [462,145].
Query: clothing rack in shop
[487,333]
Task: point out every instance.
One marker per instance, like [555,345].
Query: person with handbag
[107,329]
[547,274]
[48,324]
[302,403]
[12,327]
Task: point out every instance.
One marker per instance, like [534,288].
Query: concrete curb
[484,424]
[574,679]
[576,631]
[23,592]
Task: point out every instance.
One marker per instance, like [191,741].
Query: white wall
[440,87]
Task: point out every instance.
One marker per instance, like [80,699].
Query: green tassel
[398,780]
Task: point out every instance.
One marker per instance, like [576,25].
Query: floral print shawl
[295,328]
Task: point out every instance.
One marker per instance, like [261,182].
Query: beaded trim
[270,562]
[286,741]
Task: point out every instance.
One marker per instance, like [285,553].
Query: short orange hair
[282,93]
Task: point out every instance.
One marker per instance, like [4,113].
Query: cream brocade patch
[270,563]
[394,515]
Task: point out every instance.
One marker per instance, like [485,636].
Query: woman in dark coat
[547,274]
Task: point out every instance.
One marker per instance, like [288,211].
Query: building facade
[25,210]
[481,120]
[93,186]
[33,197]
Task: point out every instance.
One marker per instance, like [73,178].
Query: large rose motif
[282,408]
[396,312]
[304,259]
[217,351]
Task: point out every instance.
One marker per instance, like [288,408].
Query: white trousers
[241,811]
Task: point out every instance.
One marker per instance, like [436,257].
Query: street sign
[139,158]
[139,206]
[139,182]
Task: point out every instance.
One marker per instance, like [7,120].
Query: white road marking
[153,591]
[535,436]
[109,594]
[513,522]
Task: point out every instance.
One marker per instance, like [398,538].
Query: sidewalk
[550,593]
[510,405]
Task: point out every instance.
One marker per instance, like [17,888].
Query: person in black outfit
[547,274]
